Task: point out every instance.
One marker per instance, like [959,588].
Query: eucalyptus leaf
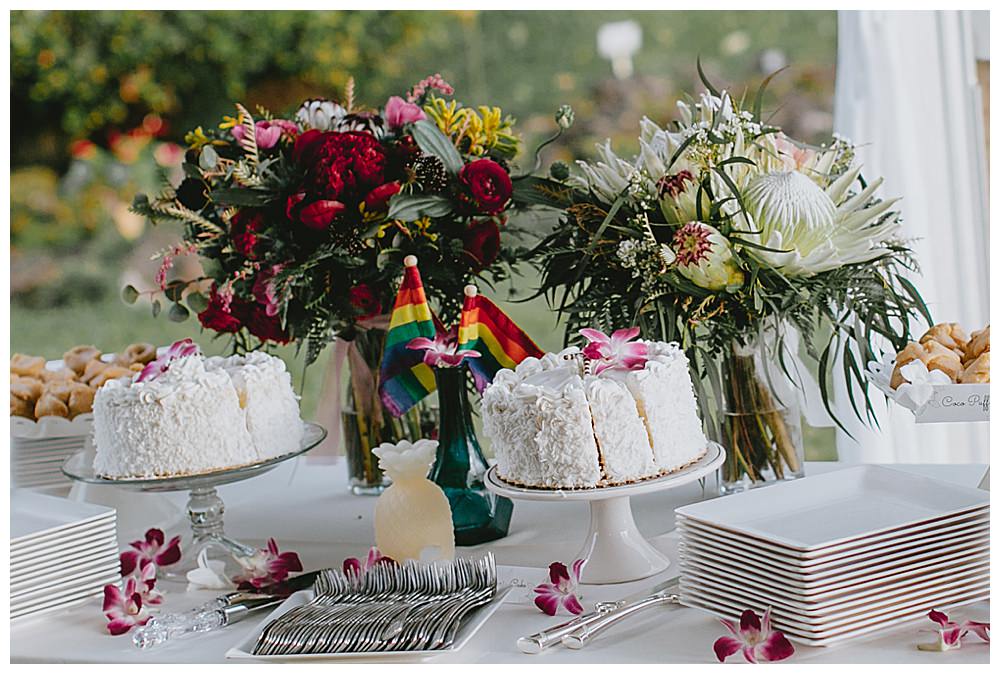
[240,197]
[178,313]
[197,302]
[432,141]
[156,308]
[129,294]
[174,290]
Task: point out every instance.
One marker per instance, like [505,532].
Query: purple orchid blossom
[950,633]
[356,567]
[755,637]
[181,349]
[615,352]
[150,550]
[123,606]
[561,589]
[267,567]
[442,351]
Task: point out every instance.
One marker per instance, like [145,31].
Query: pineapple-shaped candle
[412,516]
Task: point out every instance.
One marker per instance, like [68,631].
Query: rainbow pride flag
[404,379]
[485,328]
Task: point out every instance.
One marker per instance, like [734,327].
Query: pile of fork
[410,607]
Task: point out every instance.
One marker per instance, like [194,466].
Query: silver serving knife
[538,642]
[220,612]
[663,594]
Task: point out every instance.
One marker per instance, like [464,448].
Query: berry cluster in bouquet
[738,242]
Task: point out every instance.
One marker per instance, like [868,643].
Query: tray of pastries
[56,398]
[944,376]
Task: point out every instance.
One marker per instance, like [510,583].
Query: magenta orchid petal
[726,646]
[952,635]
[418,343]
[731,626]
[267,567]
[153,369]
[938,617]
[624,335]
[123,607]
[595,336]
[981,630]
[352,566]
[577,569]
[558,573]
[170,554]
[442,351]
[749,622]
[573,605]
[750,655]
[129,560]
[776,647]
[548,602]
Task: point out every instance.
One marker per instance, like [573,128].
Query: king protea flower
[704,257]
[811,230]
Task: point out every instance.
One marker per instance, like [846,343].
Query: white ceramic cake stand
[205,508]
[615,550]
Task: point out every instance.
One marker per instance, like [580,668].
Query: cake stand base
[205,510]
[615,549]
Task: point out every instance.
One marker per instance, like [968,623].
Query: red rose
[243,231]
[222,314]
[320,214]
[363,299]
[482,243]
[266,328]
[378,199]
[488,185]
[340,166]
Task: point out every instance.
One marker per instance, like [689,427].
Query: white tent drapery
[907,93]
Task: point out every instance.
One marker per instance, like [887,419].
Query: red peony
[363,299]
[243,231]
[222,314]
[482,243]
[340,166]
[266,328]
[489,187]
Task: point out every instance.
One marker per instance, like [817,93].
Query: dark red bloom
[340,166]
[266,328]
[363,299]
[488,185]
[222,315]
[321,214]
[243,230]
[378,199]
[482,243]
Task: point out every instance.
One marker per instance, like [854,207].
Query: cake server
[217,613]
[588,622]
[663,595]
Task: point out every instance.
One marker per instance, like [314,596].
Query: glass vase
[367,423]
[477,514]
[760,423]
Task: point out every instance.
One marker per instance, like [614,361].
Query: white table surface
[306,507]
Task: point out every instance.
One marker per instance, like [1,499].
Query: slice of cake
[553,424]
[264,387]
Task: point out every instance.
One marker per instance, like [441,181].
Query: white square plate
[694,529]
[886,581]
[824,510]
[35,517]
[64,599]
[864,566]
[90,536]
[69,575]
[730,611]
[468,629]
[850,605]
[27,566]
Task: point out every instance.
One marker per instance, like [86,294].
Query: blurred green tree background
[101,99]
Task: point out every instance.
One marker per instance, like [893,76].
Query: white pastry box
[934,402]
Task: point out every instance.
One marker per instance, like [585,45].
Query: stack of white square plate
[839,555]
[61,552]
[38,463]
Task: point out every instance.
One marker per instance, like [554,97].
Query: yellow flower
[474,133]
[229,122]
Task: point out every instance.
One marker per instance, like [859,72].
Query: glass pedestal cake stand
[615,550]
[204,506]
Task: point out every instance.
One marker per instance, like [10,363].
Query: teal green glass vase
[478,514]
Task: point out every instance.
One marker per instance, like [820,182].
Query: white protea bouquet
[721,233]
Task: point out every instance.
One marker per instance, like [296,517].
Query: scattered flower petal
[266,567]
[356,567]
[561,589]
[123,606]
[950,633]
[152,549]
[755,637]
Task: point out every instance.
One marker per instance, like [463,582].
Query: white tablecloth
[305,506]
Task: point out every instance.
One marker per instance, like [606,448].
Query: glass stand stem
[205,510]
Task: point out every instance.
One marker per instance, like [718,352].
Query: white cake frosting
[552,426]
[199,415]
